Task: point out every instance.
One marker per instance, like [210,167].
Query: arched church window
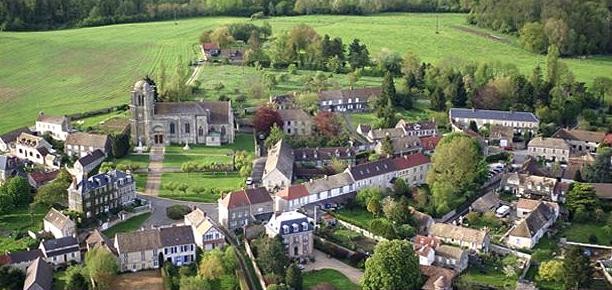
[172,128]
[201,131]
[187,128]
[141,100]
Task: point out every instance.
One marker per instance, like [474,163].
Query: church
[163,123]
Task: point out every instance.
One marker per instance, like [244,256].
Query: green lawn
[99,119]
[141,181]
[357,216]
[577,232]
[142,160]
[129,225]
[337,279]
[495,279]
[14,228]
[175,156]
[91,68]
[205,182]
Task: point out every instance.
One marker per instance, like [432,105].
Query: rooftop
[218,112]
[492,115]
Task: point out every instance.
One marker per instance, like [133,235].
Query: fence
[78,116]
[364,232]
[262,282]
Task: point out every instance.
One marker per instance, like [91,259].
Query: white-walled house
[476,240]
[552,149]
[313,191]
[61,251]
[59,224]
[177,244]
[581,141]
[528,231]
[520,121]
[58,127]
[295,230]
[377,174]
[206,233]
[37,150]
[278,170]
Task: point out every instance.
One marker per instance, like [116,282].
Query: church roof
[217,112]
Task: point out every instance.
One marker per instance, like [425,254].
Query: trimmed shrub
[177,211]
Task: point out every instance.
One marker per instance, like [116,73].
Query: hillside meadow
[68,71]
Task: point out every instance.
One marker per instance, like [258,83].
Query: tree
[276,134]
[582,202]
[473,126]
[265,118]
[374,206]
[18,189]
[328,124]
[230,259]
[401,188]
[552,65]
[364,195]
[75,280]
[551,271]
[459,98]
[338,165]
[194,283]
[394,265]
[222,37]
[387,146]
[388,87]
[437,100]
[577,269]
[11,278]
[211,267]
[101,267]
[358,55]
[389,61]
[532,37]
[601,170]
[397,211]
[410,63]
[294,277]
[120,145]
[271,256]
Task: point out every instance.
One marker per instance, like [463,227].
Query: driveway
[159,205]
[323,262]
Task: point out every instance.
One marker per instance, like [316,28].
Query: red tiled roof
[420,241]
[409,161]
[41,177]
[210,45]
[608,139]
[246,197]
[293,192]
[430,142]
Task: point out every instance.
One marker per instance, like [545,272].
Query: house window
[187,128]
[172,128]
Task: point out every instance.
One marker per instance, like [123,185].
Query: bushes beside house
[177,211]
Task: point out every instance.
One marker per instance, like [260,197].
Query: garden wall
[262,282]
[364,232]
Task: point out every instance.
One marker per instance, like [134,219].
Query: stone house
[80,144]
[452,257]
[84,165]
[316,191]
[278,170]
[152,122]
[429,143]
[377,173]
[58,224]
[101,193]
[9,167]
[296,122]
[20,260]
[412,168]
[519,121]
[424,222]
[350,101]
[138,250]
[58,127]
[8,140]
[501,136]
[552,149]
[527,185]
[322,157]
[36,150]
[476,240]
[240,208]
[207,234]
[39,276]
[296,232]
[61,251]
[419,129]
[581,141]
[401,146]
[36,179]
[528,231]
[177,244]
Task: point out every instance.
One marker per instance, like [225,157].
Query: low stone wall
[364,232]
[262,282]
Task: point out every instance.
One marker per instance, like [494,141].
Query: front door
[159,139]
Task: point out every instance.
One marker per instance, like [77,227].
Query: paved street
[323,262]
[159,205]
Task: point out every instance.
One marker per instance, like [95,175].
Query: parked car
[502,211]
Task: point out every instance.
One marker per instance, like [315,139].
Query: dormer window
[296,228]
[285,229]
[304,226]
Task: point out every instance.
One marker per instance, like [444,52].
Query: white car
[249,181]
[502,211]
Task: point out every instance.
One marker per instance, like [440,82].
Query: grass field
[206,182]
[337,279]
[129,225]
[175,156]
[76,70]
[14,228]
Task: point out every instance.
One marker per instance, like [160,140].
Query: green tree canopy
[577,269]
[394,265]
[582,202]
[101,267]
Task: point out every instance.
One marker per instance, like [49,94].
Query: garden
[330,276]
[199,187]
[492,271]
[14,228]
[129,225]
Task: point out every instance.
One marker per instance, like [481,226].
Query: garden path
[156,166]
[323,262]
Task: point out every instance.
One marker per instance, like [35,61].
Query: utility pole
[437,24]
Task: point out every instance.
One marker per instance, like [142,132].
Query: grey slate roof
[362,93]
[57,218]
[8,163]
[329,182]
[325,153]
[533,222]
[39,276]
[12,135]
[294,115]
[20,257]
[218,112]
[280,157]
[56,244]
[176,236]
[87,139]
[137,241]
[370,169]
[102,179]
[551,143]
[492,115]
[91,157]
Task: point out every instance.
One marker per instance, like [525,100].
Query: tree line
[51,14]
[575,27]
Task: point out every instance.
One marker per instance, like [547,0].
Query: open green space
[582,233]
[139,160]
[337,279]
[357,216]
[75,70]
[14,228]
[97,120]
[129,225]
[201,187]
[175,155]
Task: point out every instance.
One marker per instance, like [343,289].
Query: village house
[283,102]
[375,135]
[36,150]
[21,259]
[551,149]
[429,143]
[296,232]
[530,185]
[240,208]
[207,234]
[9,167]
[163,123]
[296,122]
[177,244]
[402,145]
[96,238]
[39,276]
[519,121]
[377,173]
[58,127]
[501,136]
[101,193]
[347,100]
[432,252]
[438,278]
[423,222]
[419,129]
[576,164]
[61,251]
[138,250]
[475,240]
[80,144]
[314,191]
[8,140]
[84,165]
[36,179]
[412,168]
[278,171]
[581,141]
[537,216]
[58,224]
[322,157]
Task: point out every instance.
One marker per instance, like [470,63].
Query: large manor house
[153,122]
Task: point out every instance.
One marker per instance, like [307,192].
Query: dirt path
[156,165]
[482,34]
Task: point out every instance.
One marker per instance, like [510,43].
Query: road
[159,205]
